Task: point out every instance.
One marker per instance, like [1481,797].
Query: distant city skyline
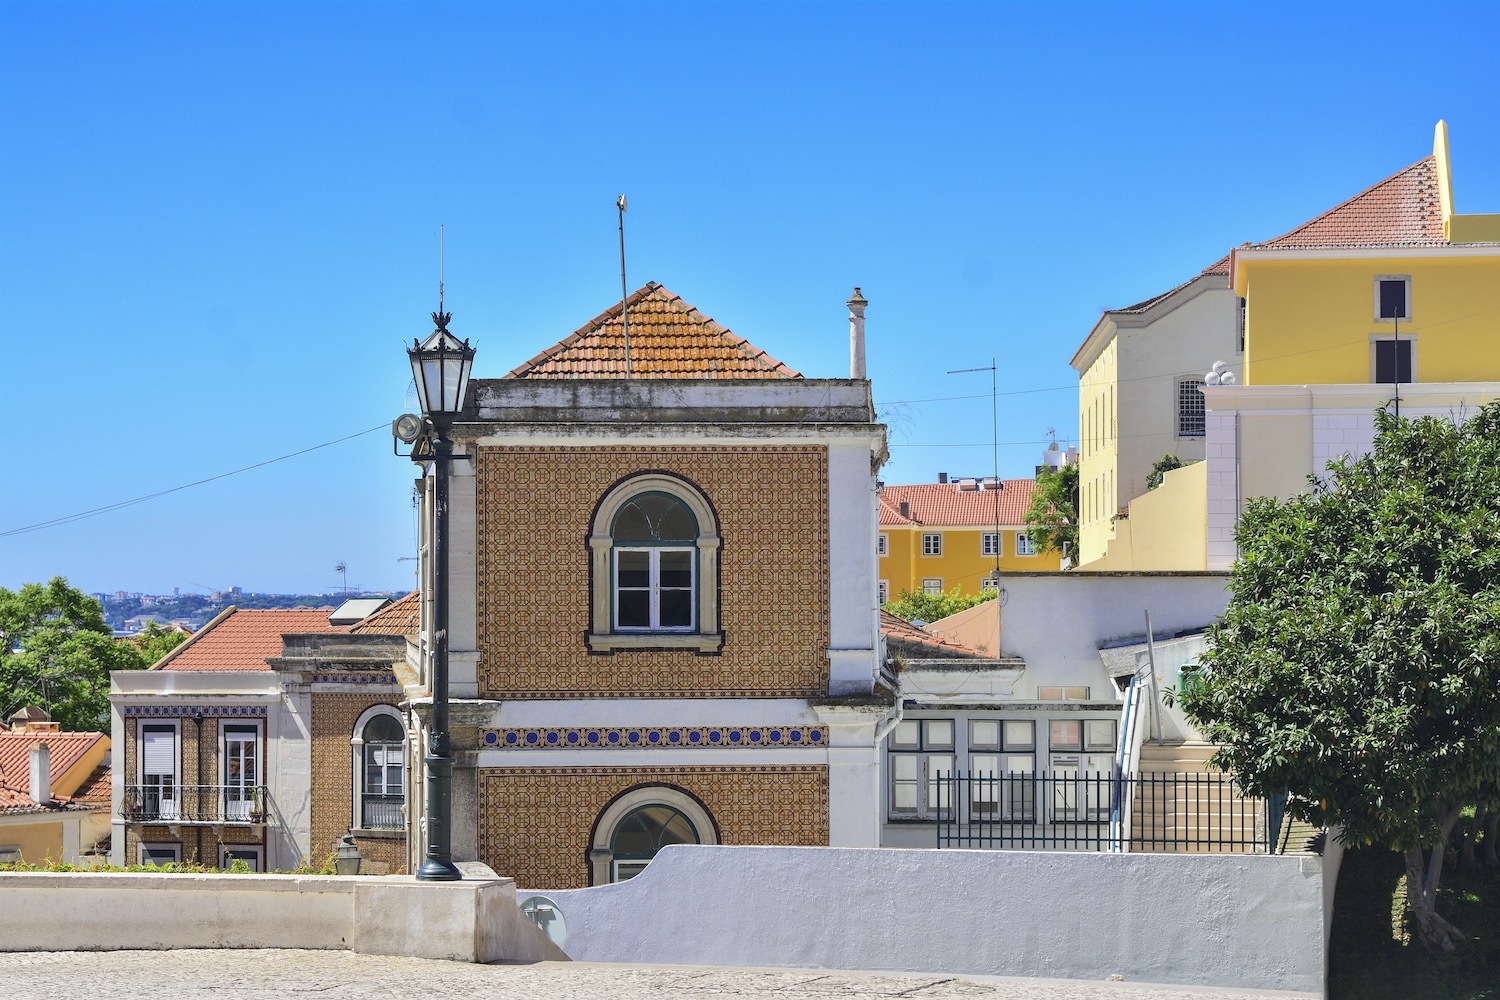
[221,228]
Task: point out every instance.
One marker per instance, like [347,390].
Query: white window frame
[1024,546]
[882,591]
[932,759]
[602,868]
[932,543]
[169,805]
[1405,279]
[706,636]
[883,544]
[238,796]
[654,589]
[357,746]
[932,586]
[991,543]
[1182,385]
[987,584]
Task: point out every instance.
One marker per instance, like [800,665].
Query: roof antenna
[624,295]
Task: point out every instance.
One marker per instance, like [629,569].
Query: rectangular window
[883,545]
[10,854]
[1392,297]
[241,773]
[1392,359]
[932,544]
[1099,734]
[160,854]
[654,589]
[249,855]
[1065,734]
[882,592]
[1024,546]
[1192,414]
[932,586]
[159,784]
[988,583]
[1062,694]
[989,544]
[921,758]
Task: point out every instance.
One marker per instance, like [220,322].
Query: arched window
[636,825]
[379,770]
[655,551]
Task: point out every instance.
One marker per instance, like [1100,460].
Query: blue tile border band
[386,680]
[658,738]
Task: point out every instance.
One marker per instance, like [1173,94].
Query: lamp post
[441,365]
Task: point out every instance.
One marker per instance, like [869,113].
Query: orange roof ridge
[400,617]
[946,505]
[669,339]
[176,650]
[1381,214]
[243,639]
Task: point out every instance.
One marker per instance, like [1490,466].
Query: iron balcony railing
[1100,811]
[218,804]
[382,812]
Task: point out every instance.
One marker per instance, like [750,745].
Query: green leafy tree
[1358,661]
[913,605]
[155,642]
[1052,519]
[1161,467]
[56,652]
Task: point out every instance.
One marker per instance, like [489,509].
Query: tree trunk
[1492,842]
[1437,935]
[1468,860]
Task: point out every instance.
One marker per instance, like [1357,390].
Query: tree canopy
[1052,519]
[915,606]
[1161,467]
[57,652]
[1358,659]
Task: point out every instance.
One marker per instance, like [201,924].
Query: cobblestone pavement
[338,975]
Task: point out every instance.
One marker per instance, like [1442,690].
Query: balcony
[382,812]
[195,805]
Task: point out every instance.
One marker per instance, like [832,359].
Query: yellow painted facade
[962,562]
[1310,319]
[1166,529]
[1098,453]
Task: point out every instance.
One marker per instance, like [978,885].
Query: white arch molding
[708,638]
[357,756]
[601,856]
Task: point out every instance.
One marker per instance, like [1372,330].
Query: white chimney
[41,773]
[857,305]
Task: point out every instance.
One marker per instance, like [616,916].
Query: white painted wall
[1223,920]
[854,638]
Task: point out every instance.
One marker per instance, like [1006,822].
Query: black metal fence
[1101,811]
[382,812]
[167,802]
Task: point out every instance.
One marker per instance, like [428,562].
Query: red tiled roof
[668,339]
[95,790]
[401,617]
[1218,267]
[15,766]
[944,504]
[1402,210]
[242,639]
[902,631]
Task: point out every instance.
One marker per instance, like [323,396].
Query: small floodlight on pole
[624,292]
[441,365]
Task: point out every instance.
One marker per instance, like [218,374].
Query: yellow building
[1388,299]
[54,791]
[937,536]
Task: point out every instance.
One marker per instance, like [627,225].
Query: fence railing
[172,803]
[382,812]
[1100,811]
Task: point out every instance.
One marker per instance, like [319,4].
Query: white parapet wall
[1254,921]
[474,920]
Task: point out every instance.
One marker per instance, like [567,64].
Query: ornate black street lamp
[441,365]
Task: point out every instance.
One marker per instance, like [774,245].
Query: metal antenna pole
[624,293]
[1396,361]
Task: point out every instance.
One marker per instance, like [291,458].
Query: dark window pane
[1191,412]
[1393,300]
[676,569]
[676,608]
[634,609]
[1387,370]
[677,525]
[634,568]
[631,525]
[383,729]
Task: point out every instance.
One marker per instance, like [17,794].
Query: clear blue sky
[218,221]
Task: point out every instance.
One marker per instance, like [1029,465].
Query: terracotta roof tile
[1402,210]
[668,339]
[15,767]
[905,634]
[401,617]
[242,639]
[95,790]
[946,505]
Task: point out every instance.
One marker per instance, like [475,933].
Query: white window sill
[698,642]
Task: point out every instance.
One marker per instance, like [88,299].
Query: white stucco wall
[1226,920]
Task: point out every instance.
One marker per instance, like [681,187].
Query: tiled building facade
[663,625]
